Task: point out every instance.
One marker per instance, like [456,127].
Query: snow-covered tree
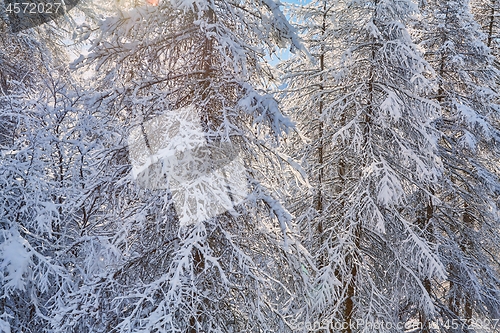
[21,62]
[139,265]
[36,181]
[372,156]
[486,13]
[33,98]
[464,221]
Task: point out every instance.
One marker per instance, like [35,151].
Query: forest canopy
[160,173]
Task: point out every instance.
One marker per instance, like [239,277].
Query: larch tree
[309,93]
[487,15]
[145,262]
[464,217]
[371,156]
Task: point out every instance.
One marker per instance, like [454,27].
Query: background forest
[369,158]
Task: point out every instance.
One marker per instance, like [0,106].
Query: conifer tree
[486,14]
[372,155]
[464,220]
[141,266]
